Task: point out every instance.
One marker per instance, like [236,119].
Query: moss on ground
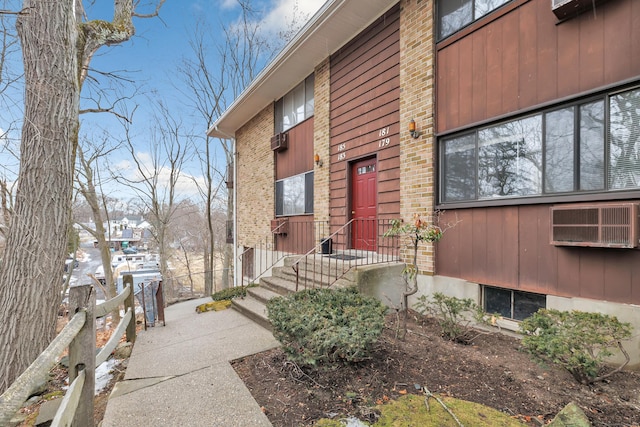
[410,410]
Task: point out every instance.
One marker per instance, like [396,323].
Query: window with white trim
[589,146]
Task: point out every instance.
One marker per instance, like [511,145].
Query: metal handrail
[267,247]
[333,267]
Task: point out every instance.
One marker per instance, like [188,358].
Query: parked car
[130,251]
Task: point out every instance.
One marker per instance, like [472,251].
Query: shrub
[324,325]
[578,341]
[455,316]
[229,293]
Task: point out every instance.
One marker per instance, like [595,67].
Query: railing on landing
[357,243]
[286,238]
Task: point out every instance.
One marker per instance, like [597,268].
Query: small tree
[417,232]
[456,316]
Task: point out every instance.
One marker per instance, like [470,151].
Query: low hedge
[319,326]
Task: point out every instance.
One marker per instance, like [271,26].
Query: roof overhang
[336,23]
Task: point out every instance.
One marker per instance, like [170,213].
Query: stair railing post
[82,352]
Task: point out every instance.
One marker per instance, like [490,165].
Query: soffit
[336,23]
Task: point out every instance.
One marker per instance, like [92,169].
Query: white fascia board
[335,24]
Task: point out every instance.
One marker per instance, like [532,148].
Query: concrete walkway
[179,374]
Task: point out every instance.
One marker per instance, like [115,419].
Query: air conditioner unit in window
[606,225]
[280,226]
[279,142]
[564,9]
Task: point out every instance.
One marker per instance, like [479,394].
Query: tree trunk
[31,273]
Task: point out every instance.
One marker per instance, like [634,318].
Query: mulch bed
[493,371]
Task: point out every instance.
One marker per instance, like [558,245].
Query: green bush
[455,316]
[323,325]
[229,293]
[578,341]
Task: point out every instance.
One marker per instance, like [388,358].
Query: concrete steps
[316,274]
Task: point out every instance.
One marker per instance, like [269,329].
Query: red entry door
[364,204]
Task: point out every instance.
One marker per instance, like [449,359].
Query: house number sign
[384,138]
[383,141]
[341,154]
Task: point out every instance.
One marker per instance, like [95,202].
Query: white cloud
[186,186]
[228,4]
[286,11]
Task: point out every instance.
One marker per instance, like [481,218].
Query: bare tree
[158,176]
[238,60]
[57,46]
[87,178]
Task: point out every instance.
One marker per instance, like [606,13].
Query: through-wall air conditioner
[280,226]
[565,9]
[279,142]
[605,225]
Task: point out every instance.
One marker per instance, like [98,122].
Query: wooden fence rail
[79,335]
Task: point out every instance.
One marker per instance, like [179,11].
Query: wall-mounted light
[316,158]
[412,129]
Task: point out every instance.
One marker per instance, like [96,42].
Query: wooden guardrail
[79,335]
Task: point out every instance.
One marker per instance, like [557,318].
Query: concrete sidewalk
[179,374]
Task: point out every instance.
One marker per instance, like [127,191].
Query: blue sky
[152,56]
[162,43]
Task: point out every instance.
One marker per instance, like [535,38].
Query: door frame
[349,196]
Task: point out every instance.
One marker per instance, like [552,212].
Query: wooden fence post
[82,352]
[129,303]
[160,303]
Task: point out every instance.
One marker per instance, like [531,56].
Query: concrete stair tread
[253,309]
[262,294]
[279,285]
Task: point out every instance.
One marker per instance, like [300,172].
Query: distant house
[143,225]
[520,119]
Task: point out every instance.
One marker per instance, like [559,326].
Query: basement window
[512,304]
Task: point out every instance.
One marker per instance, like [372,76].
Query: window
[561,150]
[456,14]
[296,106]
[512,304]
[624,140]
[294,195]
[509,159]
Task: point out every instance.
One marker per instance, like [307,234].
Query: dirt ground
[493,371]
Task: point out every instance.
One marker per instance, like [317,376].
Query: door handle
[353,212]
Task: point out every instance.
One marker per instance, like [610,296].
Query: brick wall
[321,141]
[255,187]
[416,102]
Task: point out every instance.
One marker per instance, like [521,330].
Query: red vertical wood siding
[509,247]
[523,58]
[298,157]
[365,91]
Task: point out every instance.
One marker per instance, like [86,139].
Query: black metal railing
[357,243]
[287,238]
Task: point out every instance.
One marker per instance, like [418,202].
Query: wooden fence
[79,335]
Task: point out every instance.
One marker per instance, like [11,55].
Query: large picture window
[296,106]
[456,14]
[590,146]
[294,195]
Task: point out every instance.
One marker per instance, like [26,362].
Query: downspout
[234,156]
[235,214]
